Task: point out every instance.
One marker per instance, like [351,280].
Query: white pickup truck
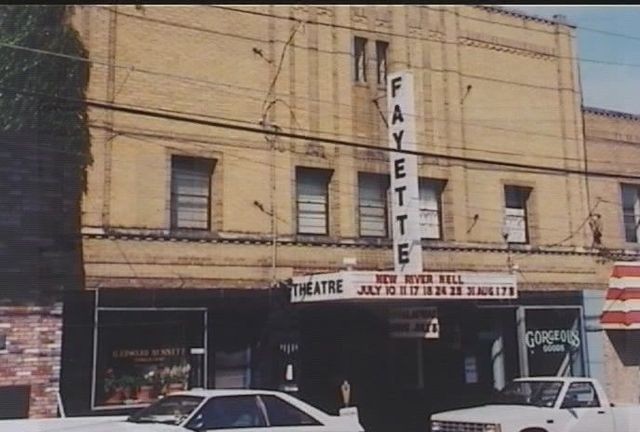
[543,404]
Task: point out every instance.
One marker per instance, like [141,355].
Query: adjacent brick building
[613,145]
[40,257]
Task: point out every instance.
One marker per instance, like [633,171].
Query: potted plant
[163,379]
[146,389]
[127,385]
[178,376]
[112,392]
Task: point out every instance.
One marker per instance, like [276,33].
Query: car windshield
[169,410]
[532,393]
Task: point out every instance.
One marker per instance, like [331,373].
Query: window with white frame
[312,199]
[381,61]
[515,217]
[191,192]
[631,212]
[430,209]
[372,204]
[360,59]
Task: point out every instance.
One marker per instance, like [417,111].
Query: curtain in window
[372,206]
[429,209]
[631,212]
[190,193]
[312,202]
[515,214]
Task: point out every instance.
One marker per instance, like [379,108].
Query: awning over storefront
[622,306]
[368,285]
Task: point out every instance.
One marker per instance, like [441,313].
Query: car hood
[83,424]
[492,414]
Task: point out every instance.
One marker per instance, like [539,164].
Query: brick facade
[513,65]
[488,84]
[32,355]
[613,145]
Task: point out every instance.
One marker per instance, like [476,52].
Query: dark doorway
[346,342]
[14,402]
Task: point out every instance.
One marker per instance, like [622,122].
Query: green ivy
[46,28]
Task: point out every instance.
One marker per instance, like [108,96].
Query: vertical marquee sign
[405,206]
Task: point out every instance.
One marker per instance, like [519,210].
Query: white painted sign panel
[405,202]
[414,323]
[364,285]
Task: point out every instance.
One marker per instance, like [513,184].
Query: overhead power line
[291,135]
[423,38]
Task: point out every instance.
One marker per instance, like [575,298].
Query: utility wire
[280,133]
[421,38]
[129,69]
[346,188]
[212,84]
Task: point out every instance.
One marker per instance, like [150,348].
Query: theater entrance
[397,382]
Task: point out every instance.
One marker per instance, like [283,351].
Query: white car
[206,410]
[543,404]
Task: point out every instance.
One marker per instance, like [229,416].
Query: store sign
[405,202]
[414,323]
[555,340]
[330,286]
[352,285]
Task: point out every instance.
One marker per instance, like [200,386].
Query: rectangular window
[631,212]
[381,61]
[360,59]
[283,414]
[431,209]
[229,413]
[515,218]
[581,395]
[372,204]
[191,192]
[312,190]
[233,369]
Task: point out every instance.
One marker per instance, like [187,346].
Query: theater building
[202,228]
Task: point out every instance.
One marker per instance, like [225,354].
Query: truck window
[581,395]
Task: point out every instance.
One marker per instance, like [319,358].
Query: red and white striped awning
[622,306]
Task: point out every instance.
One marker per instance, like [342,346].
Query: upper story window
[312,199]
[381,61]
[516,227]
[191,192]
[631,212]
[360,59]
[372,204]
[431,209]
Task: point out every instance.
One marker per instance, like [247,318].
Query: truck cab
[543,404]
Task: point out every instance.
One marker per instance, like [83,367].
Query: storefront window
[143,355]
[553,341]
